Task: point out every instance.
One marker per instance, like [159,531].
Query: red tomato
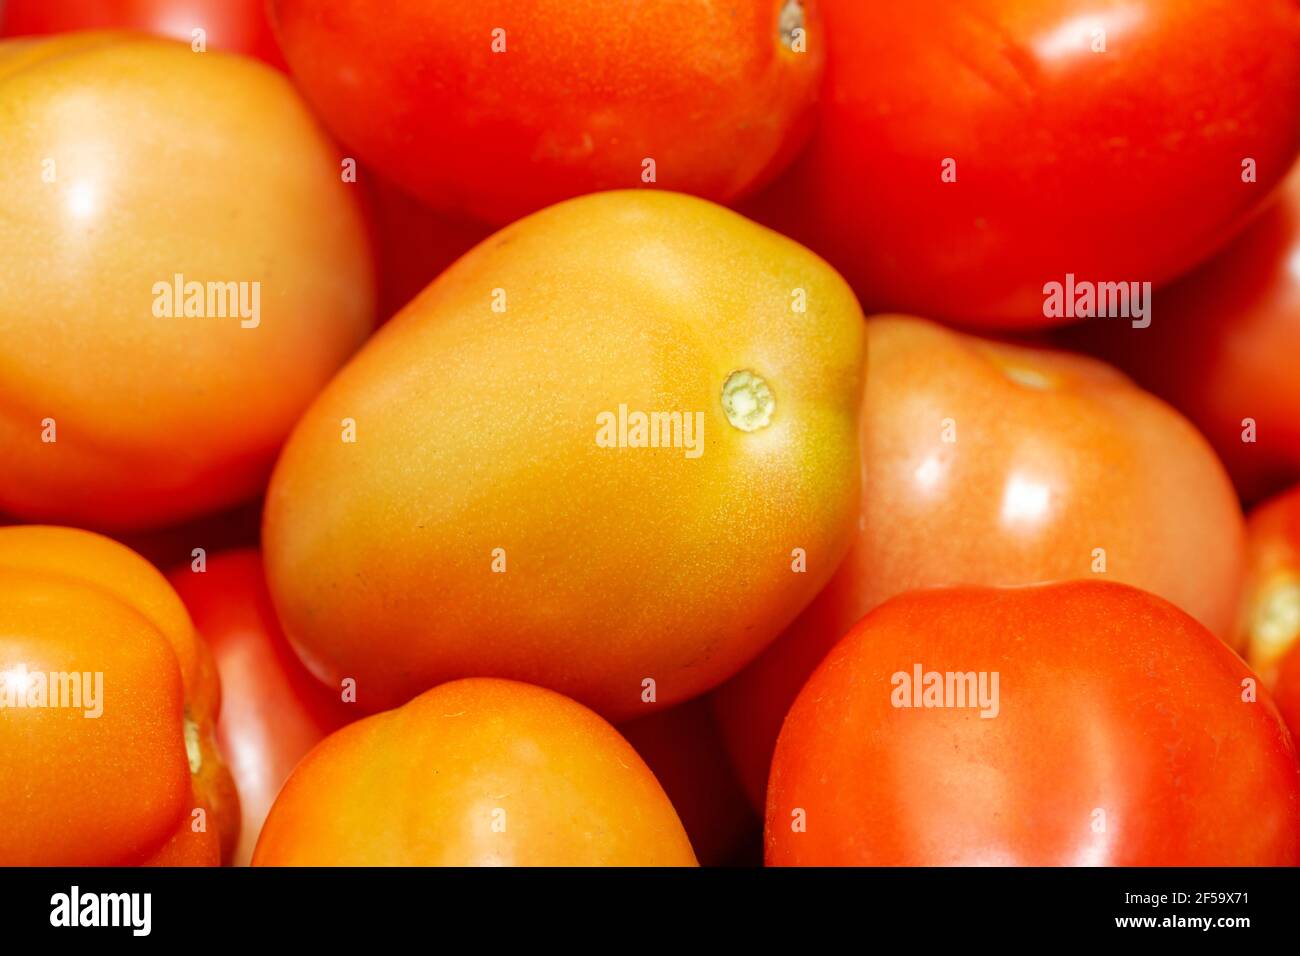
[1223,347]
[1067,159]
[236,26]
[478,107]
[272,710]
[1287,690]
[1269,625]
[993,464]
[684,749]
[1070,724]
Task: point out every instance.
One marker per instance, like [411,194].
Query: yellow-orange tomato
[477,772]
[1269,626]
[128,167]
[108,703]
[995,464]
[475,494]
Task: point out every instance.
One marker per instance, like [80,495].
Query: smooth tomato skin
[1067,161]
[236,26]
[1269,624]
[1110,699]
[165,162]
[477,447]
[476,772]
[273,711]
[1051,457]
[118,789]
[1222,348]
[709,91]
[1286,690]
[684,749]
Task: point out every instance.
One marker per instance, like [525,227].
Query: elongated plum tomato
[476,772]
[478,107]
[968,152]
[1078,723]
[129,166]
[272,710]
[1222,347]
[987,463]
[1269,625]
[108,766]
[236,26]
[611,451]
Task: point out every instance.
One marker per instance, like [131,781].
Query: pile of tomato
[565,432]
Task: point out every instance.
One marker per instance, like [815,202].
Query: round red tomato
[1084,723]
[1269,625]
[969,152]
[1223,346]
[499,107]
[272,710]
[995,464]
[236,26]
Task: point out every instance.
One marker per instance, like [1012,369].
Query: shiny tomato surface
[479,108]
[989,463]
[1269,624]
[476,772]
[272,710]
[968,152]
[1083,723]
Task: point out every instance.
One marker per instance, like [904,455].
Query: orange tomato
[472,495]
[478,107]
[989,463]
[112,767]
[1269,624]
[125,163]
[272,711]
[1080,723]
[476,772]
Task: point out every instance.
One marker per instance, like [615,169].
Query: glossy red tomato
[1287,690]
[1224,347]
[1069,724]
[1120,164]
[272,710]
[236,26]
[996,464]
[499,107]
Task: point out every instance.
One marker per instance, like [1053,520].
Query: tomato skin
[119,788]
[1067,161]
[478,464]
[1286,690]
[708,91]
[476,772]
[683,747]
[159,418]
[236,26]
[1269,624]
[1051,457]
[273,711]
[1209,779]
[1222,348]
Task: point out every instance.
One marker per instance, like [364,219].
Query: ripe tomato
[684,749]
[1269,625]
[473,494]
[989,463]
[1222,348]
[126,162]
[116,780]
[478,107]
[1067,159]
[473,773]
[272,710]
[236,26]
[1286,690]
[1095,725]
